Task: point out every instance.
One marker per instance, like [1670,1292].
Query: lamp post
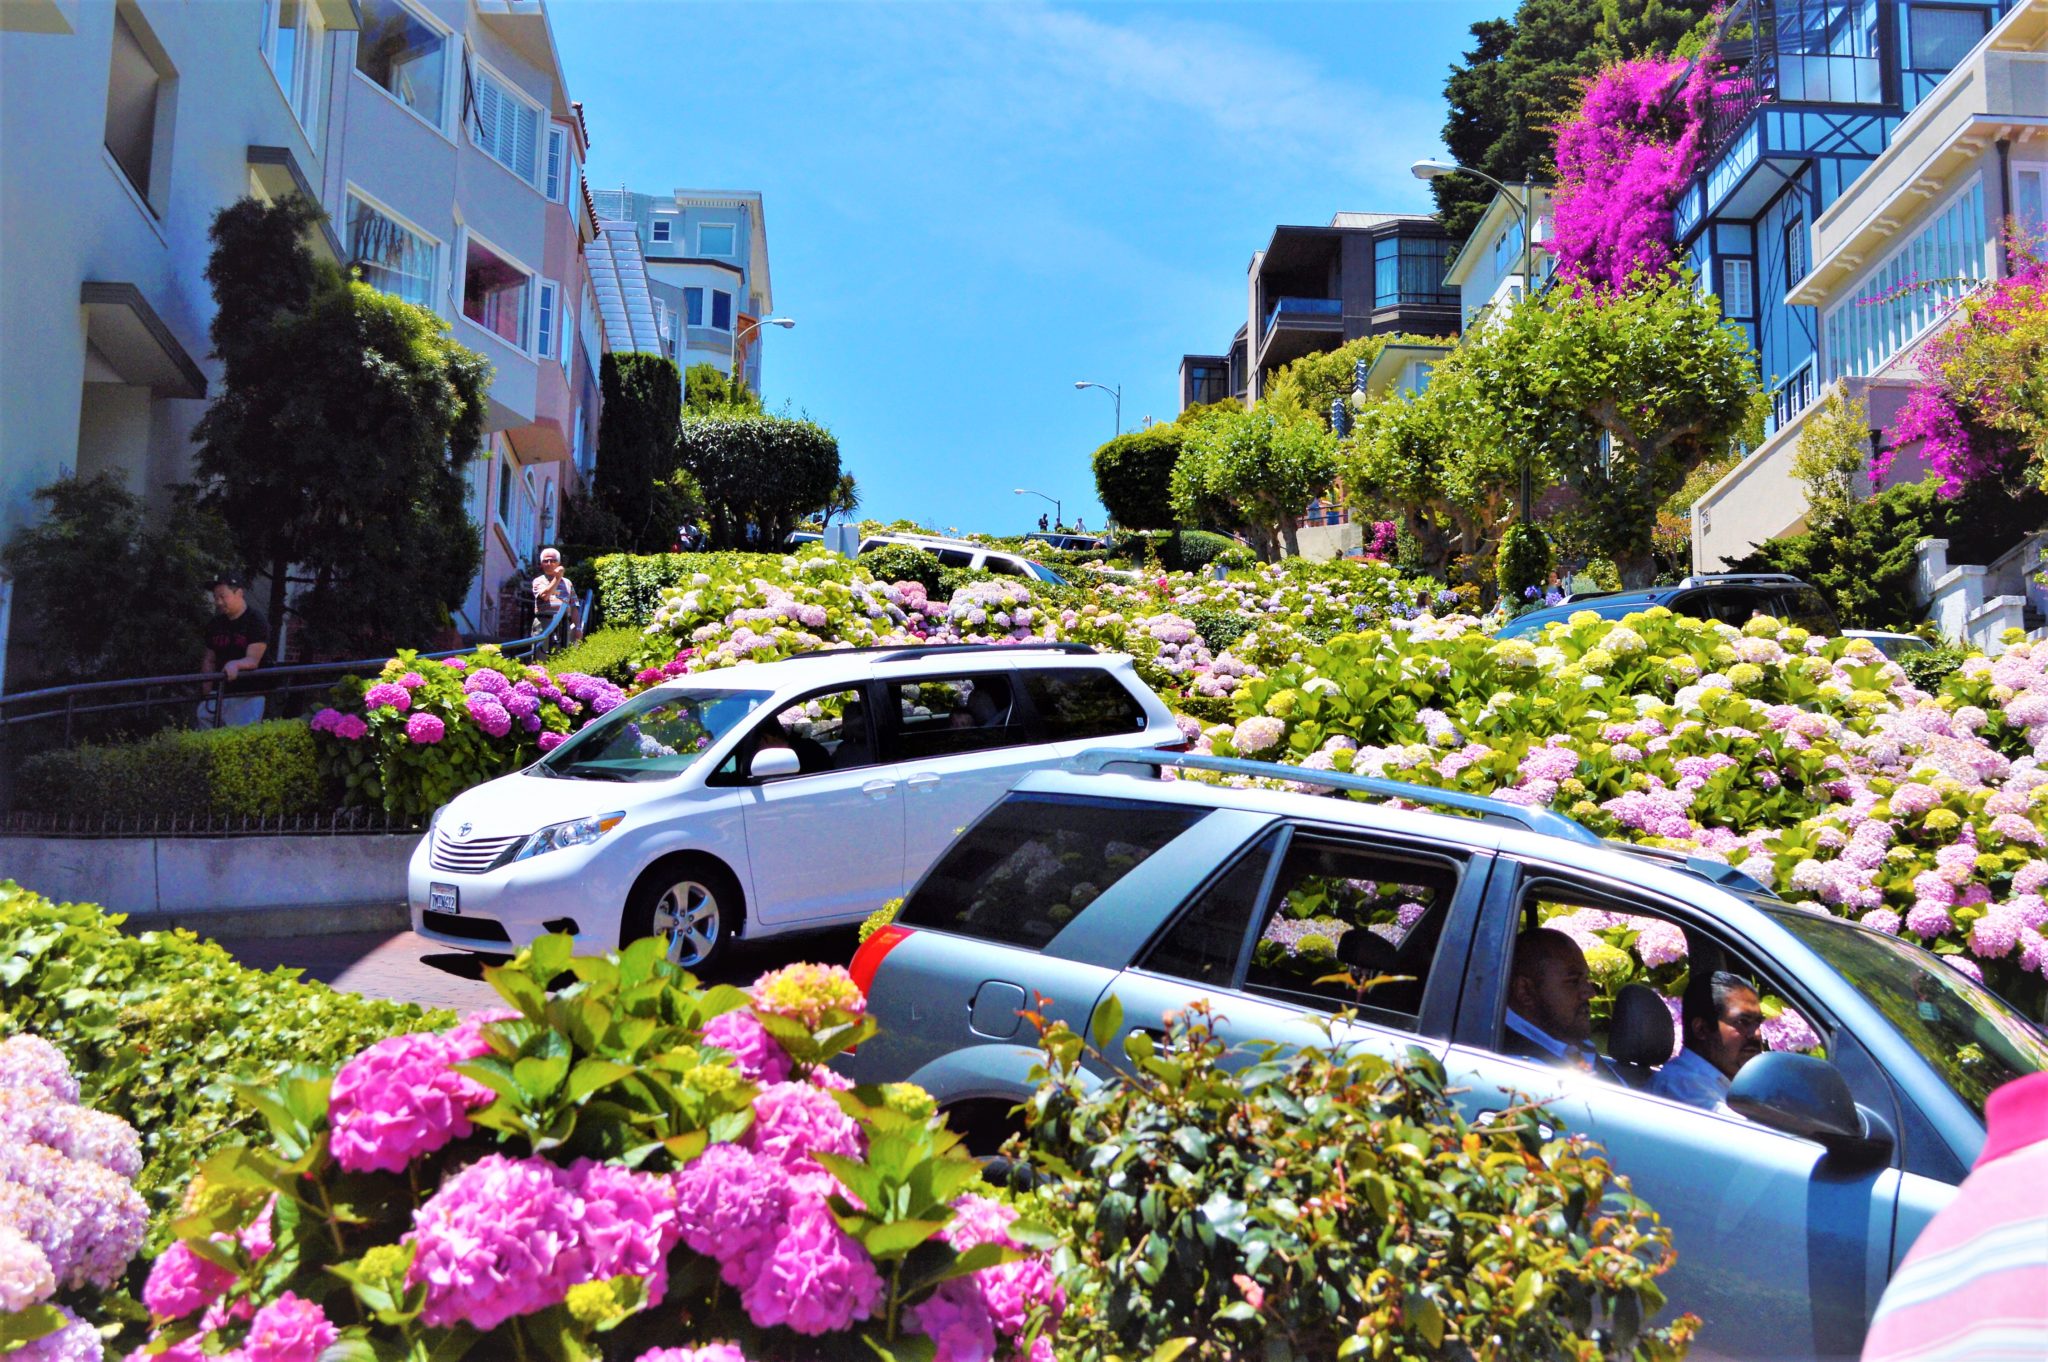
[1058,519]
[1526,201]
[740,333]
[1117,392]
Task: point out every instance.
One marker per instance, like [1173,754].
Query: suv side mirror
[1805,1096]
[770,762]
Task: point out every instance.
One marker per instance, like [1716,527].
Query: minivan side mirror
[770,762]
[1805,1096]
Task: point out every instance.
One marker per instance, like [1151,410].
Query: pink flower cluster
[1621,161]
[970,1316]
[402,1098]
[347,727]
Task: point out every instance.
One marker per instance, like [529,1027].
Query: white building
[437,134]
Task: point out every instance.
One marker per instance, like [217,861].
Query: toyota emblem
[462,831]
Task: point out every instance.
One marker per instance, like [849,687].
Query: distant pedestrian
[553,593]
[237,638]
[1041,522]
[1974,1287]
[1080,525]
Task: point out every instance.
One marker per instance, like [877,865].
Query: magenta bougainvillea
[1621,161]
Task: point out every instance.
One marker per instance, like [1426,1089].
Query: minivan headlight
[560,835]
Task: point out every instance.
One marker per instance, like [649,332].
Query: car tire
[693,902]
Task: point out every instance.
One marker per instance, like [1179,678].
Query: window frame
[1856,327]
[439,122]
[482,70]
[694,293]
[732,253]
[351,190]
[1909,60]
[524,345]
[2019,167]
[547,320]
[1730,265]
[716,294]
[661,231]
[556,163]
[153,193]
[309,59]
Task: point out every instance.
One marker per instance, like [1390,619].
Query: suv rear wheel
[692,903]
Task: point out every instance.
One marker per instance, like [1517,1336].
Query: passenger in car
[1550,1004]
[1723,1021]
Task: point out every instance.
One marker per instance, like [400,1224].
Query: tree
[1254,471]
[1522,80]
[1134,475]
[1833,453]
[845,498]
[706,388]
[339,438]
[1441,478]
[765,471]
[101,592]
[636,448]
[1621,395]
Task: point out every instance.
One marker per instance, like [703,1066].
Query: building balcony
[1299,326]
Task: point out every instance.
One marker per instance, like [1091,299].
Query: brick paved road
[409,969]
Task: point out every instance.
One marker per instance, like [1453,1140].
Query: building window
[1738,289]
[1410,270]
[1911,289]
[693,306]
[295,43]
[505,124]
[1940,36]
[558,163]
[1796,264]
[404,56]
[494,293]
[504,492]
[2030,197]
[721,310]
[1830,51]
[547,324]
[663,229]
[393,258]
[138,80]
[716,238]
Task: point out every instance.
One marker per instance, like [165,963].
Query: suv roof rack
[1762,578]
[1543,821]
[897,652]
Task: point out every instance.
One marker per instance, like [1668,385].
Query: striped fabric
[1974,1288]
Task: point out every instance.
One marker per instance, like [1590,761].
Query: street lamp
[1526,201]
[1117,392]
[740,333]
[1058,520]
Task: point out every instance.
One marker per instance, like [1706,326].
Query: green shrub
[1133,473]
[629,585]
[1180,1198]
[1523,564]
[903,563]
[159,1026]
[265,770]
[1219,627]
[1930,668]
[1194,550]
[609,653]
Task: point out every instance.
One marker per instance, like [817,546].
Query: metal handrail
[64,700]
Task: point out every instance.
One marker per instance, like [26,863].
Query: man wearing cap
[237,637]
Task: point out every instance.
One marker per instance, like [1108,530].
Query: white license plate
[444,898]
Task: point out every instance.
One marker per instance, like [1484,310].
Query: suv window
[1735,605]
[1035,861]
[939,716]
[1081,702]
[953,558]
[1008,567]
[1807,608]
[1341,913]
[828,730]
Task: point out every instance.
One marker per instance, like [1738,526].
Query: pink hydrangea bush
[636,1166]
[70,1216]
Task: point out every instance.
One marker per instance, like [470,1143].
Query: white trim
[450,72]
[710,254]
[135,195]
[665,221]
[2035,168]
[556,150]
[547,299]
[527,326]
[542,122]
[350,189]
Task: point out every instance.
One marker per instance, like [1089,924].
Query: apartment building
[706,256]
[1314,288]
[437,134]
[1919,227]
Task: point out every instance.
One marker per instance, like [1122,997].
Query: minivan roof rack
[896,652]
[1544,821]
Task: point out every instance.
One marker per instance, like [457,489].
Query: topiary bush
[266,770]
[903,563]
[1326,1203]
[1522,568]
[1929,668]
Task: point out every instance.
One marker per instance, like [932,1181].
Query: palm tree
[845,498]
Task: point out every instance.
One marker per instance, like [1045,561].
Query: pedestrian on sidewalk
[553,593]
[237,638]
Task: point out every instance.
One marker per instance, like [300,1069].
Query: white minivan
[757,800]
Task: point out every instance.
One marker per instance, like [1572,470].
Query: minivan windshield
[653,736]
[1969,1035]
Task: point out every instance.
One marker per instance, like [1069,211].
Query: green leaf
[593,1073]
[550,955]
[899,1236]
[29,1323]
[1107,1023]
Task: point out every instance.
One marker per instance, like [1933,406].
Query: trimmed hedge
[265,770]
[158,1027]
[903,563]
[629,585]
[606,653]
[1196,550]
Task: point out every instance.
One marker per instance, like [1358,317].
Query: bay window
[403,55]
[392,257]
[294,40]
[505,124]
[495,292]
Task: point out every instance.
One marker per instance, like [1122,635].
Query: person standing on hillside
[553,593]
[237,638]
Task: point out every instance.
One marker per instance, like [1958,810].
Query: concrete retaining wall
[225,885]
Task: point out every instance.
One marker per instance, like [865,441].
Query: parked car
[1787,1219]
[1732,597]
[752,801]
[798,538]
[1892,645]
[1081,543]
[965,553]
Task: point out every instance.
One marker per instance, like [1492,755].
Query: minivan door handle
[922,782]
[878,789]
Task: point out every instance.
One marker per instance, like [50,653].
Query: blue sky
[971,207]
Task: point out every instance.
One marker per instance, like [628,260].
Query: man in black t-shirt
[237,637]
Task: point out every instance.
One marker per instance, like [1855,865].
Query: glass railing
[1304,307]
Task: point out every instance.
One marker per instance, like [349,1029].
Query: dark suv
[1731,597]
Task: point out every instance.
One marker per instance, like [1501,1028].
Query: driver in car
[1550,1004]
[1723,1022]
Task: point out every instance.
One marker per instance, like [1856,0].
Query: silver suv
[1788,1218]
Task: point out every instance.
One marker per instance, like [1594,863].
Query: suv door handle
[878,789]
[922,782]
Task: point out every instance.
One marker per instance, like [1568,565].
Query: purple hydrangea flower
[182,1283]
[816,1280]
[397,1100]
[793,1121]
[288,1329]
[425,729]
[730,1205]
[385,695]
[493,1241]
[756,1055]
[489,715]
[625,1226]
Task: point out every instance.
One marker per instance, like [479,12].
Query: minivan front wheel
[692,905]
